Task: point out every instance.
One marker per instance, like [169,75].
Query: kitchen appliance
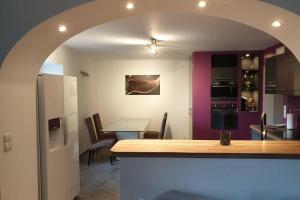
[58,137]
[224,116]
[224,77]
[224,60]
[224,89]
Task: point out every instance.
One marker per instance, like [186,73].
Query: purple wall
[202,100]
[201,96]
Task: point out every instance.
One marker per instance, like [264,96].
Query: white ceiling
[180,35]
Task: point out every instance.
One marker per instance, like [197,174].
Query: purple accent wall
[201,96]
[202,101]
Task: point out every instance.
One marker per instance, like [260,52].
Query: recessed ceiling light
[276,24]
[247,55]
[202,4]
[62,28]
[130,6]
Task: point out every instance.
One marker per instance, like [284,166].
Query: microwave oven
[224,90]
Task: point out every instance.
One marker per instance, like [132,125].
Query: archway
[19,70]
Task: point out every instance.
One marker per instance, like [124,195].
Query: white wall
[104,91]
[73,62]
[113,104]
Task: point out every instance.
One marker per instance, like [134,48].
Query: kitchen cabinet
[282,74]
[255,135]
[295,76]
[270,74]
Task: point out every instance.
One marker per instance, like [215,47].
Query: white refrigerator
[58,137]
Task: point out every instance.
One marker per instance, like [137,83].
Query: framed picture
[142,84]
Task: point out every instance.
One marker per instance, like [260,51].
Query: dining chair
[156,134]
[96,144]
[100,134]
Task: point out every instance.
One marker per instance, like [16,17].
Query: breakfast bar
[242,170]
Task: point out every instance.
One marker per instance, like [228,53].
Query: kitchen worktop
[278,133]
[207,149]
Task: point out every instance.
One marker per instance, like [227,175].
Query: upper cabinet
[282,74]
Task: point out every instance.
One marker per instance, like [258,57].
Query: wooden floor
[100,180]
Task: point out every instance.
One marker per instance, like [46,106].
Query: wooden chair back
[98,124]
[92,133]
[163,126]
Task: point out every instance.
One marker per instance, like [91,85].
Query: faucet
[263,126]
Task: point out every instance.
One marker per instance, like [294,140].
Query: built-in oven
[224,116]
[224,89]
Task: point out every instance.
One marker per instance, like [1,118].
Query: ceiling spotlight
[247,55]
[152,47]
[130,6]
[276,24]
[202,4]
[62,28]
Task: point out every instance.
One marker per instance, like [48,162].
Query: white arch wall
[19,70]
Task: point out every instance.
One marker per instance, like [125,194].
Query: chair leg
[93,155]
[111,160]
[90,156]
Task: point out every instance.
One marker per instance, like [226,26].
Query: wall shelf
[250,83]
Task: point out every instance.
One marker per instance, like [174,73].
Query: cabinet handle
[66,136]
[272,85]
[281,89]
[218,86]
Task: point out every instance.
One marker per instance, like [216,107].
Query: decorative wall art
[142,84]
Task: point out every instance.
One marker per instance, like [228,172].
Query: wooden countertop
[207,149]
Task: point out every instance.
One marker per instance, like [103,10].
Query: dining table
[128,128]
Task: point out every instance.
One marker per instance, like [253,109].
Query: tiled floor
[100,180]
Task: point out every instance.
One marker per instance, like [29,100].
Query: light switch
[7,137]
[7,147]
[7,140]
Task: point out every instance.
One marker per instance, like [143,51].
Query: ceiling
[179,35]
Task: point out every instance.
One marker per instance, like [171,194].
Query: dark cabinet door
[283,73]
[294,75]
[270,75]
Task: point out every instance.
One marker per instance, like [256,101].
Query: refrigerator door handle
[66,134]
